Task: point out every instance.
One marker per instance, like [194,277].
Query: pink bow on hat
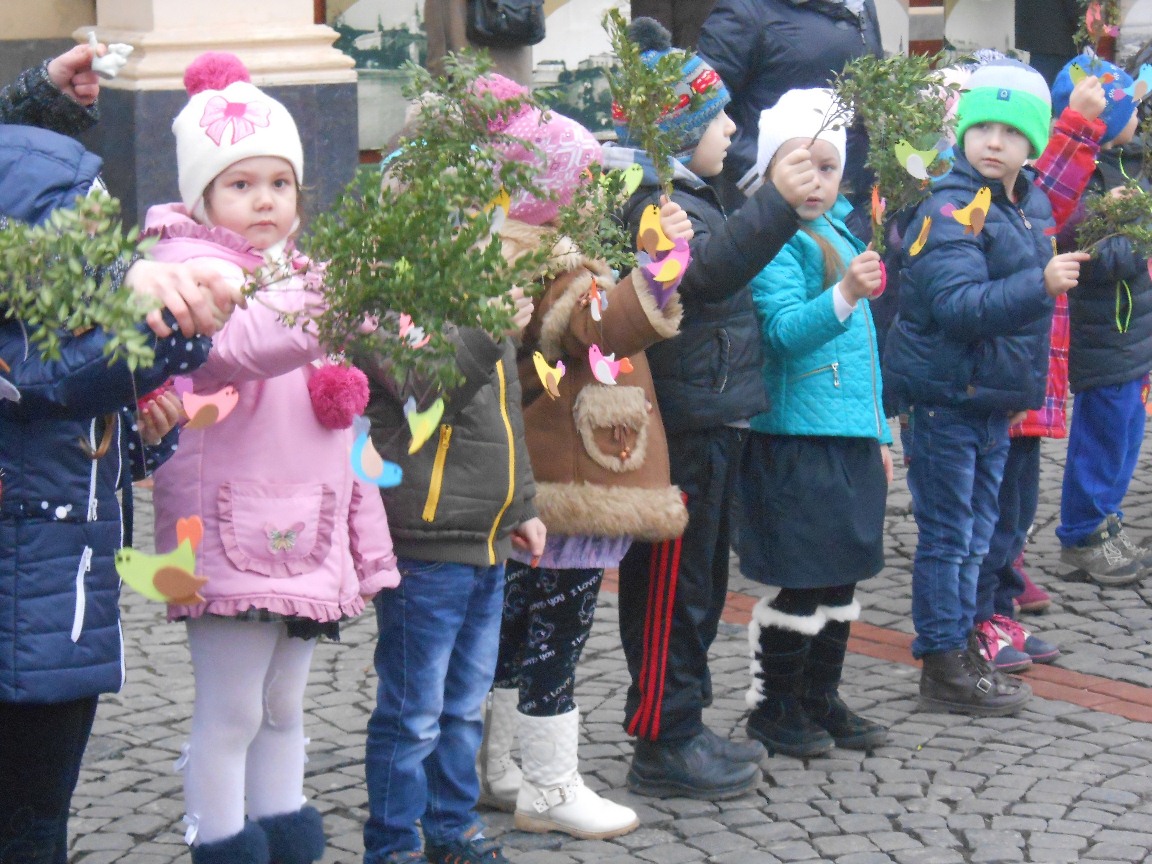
[244,117]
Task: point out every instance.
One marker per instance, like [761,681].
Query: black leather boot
[690,769]
[821,700]
[961,681]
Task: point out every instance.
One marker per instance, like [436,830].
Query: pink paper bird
[204,410]
[606,369]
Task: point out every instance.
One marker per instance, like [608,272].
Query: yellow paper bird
[169,578]
[422,423]
[651,237]
[922,238]
[972,216]
[549,376]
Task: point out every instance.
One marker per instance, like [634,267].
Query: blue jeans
[435,658]
[1103,448]
[957,462]
[999,583]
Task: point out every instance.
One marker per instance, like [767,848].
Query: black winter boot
[779,652]
[963,682]
[822,672]
[250,846]
[294,838]
[688,769]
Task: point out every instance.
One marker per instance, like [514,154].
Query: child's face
[997,151]
[708,157]
[1127,133]
[256,198]
[829,171]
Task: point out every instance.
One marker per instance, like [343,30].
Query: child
[824,426]
[66,448]
[466,499]
[968,349]
[1109,358]
[611,485]
[1062,171]
[292,542]
[708,384]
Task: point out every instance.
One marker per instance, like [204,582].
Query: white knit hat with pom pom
[227,119]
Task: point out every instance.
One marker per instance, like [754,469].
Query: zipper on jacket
[433,501]
[511,462]
[834,366]
[92,474]
[1020,210]
[81,596]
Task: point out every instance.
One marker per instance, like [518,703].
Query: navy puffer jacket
[59,518]
[1110,310]
[973,321]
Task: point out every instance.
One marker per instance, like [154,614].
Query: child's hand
[1088,98]
[72,73]
[795,177]
[1063,272]
[674,221]
[530,535]
[1120,192]
[198,296]
[522,308]
[886,459]
[863,277]
[158,416]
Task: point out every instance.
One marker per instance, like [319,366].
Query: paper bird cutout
[8,390]
[971,216]
[171,577]
[1142,83]
[606,369]
[597,301]
[651,237]
[878,206]
[918,244]
[367,463]
[205,410]
[422,423]
[549,376]
[416,336]
[633,175]
[108,66]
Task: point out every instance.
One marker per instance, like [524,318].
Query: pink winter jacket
[287,525]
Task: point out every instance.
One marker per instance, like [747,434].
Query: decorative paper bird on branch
[367,463]
[972,215]
[422,423]
[605,369]
[171,577]
[206,409]
[8,390]
[549,376]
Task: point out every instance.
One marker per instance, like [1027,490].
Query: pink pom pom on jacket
[287,525]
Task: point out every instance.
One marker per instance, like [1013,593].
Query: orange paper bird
[651,237]
[973,215]
[204,410]
[549,376]
[597,301]
[169,578]
[605,369]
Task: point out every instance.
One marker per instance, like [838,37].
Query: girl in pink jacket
[292,541]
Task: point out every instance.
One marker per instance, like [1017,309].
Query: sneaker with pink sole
[997,649]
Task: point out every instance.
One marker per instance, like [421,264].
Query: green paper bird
[171,577]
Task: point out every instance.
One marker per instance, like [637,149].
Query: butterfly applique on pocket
[282,540]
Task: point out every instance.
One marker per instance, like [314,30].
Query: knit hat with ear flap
[811,113]
[1009,92]
[227,119]
[686,123]
[1118,102]
[564,149]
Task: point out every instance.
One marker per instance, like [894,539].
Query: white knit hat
[228,119]
[797,114]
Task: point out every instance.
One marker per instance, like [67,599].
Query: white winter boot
[553,796]
[496,769]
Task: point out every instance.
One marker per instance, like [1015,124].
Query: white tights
[247,740]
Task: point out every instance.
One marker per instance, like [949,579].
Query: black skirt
[810,512]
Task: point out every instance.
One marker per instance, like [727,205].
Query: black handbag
[505,23]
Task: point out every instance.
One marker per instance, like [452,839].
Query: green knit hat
[1009,92]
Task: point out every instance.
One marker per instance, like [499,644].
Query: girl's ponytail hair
[833,264]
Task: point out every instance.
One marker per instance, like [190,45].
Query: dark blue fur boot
[250,846]
[294,838]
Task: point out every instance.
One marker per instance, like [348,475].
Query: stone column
[925,26]
[287,55]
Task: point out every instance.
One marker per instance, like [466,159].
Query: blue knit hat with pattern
[1119,104]
[698,83]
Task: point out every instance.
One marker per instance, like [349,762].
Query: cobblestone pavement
[1061,782]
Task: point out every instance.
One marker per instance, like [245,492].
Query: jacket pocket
[276,530]
[613,425]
